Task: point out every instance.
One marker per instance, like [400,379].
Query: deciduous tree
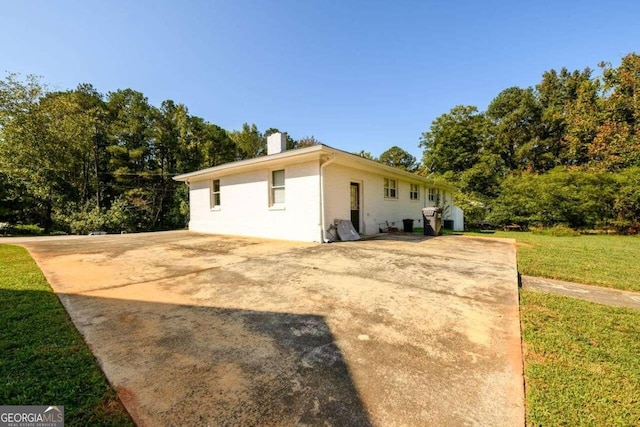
[454,141]
[398,158]
[250,141]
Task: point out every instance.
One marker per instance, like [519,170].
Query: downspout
[322,215]
[425,194]
[188,218]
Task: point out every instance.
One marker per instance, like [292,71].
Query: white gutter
[323,237]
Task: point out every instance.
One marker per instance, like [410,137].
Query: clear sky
[355,74]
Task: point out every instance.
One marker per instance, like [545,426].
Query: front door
[355,205]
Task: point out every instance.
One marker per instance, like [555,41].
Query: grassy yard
[43,358]
[582,362]
[610,261]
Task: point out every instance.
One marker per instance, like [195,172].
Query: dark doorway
[355,205]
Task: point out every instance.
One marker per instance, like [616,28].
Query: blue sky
[355,74]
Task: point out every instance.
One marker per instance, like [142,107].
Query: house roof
[305,154]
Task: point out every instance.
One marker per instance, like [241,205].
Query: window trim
[213,193]
[432,194]
[388,188]
[414,195]
[272,187]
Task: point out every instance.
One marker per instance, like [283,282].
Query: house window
[413,192]
[215,193]
[277,187]
[432,194]
[390,188]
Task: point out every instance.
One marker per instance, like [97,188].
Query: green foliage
[366,155]
[454,141]
[250,141]
[70,160]
[42,355]
[307,141]
[475,206]
[556,153]
[17,204]
[626,201]
[560,230]
[7,228]
[398,158]
[86,221]
[179,212]
[484,177]
[27,230]
[561,196]
[514,134]
[120,216]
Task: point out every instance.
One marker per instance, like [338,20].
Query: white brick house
[297,194]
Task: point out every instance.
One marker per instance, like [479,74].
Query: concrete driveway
[195,329]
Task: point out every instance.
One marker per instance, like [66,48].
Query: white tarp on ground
[346,231]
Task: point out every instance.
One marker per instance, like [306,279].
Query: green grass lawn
[43,358]
[582,362]
[603,260]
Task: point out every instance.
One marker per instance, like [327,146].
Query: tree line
[79,160]
[566,151]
